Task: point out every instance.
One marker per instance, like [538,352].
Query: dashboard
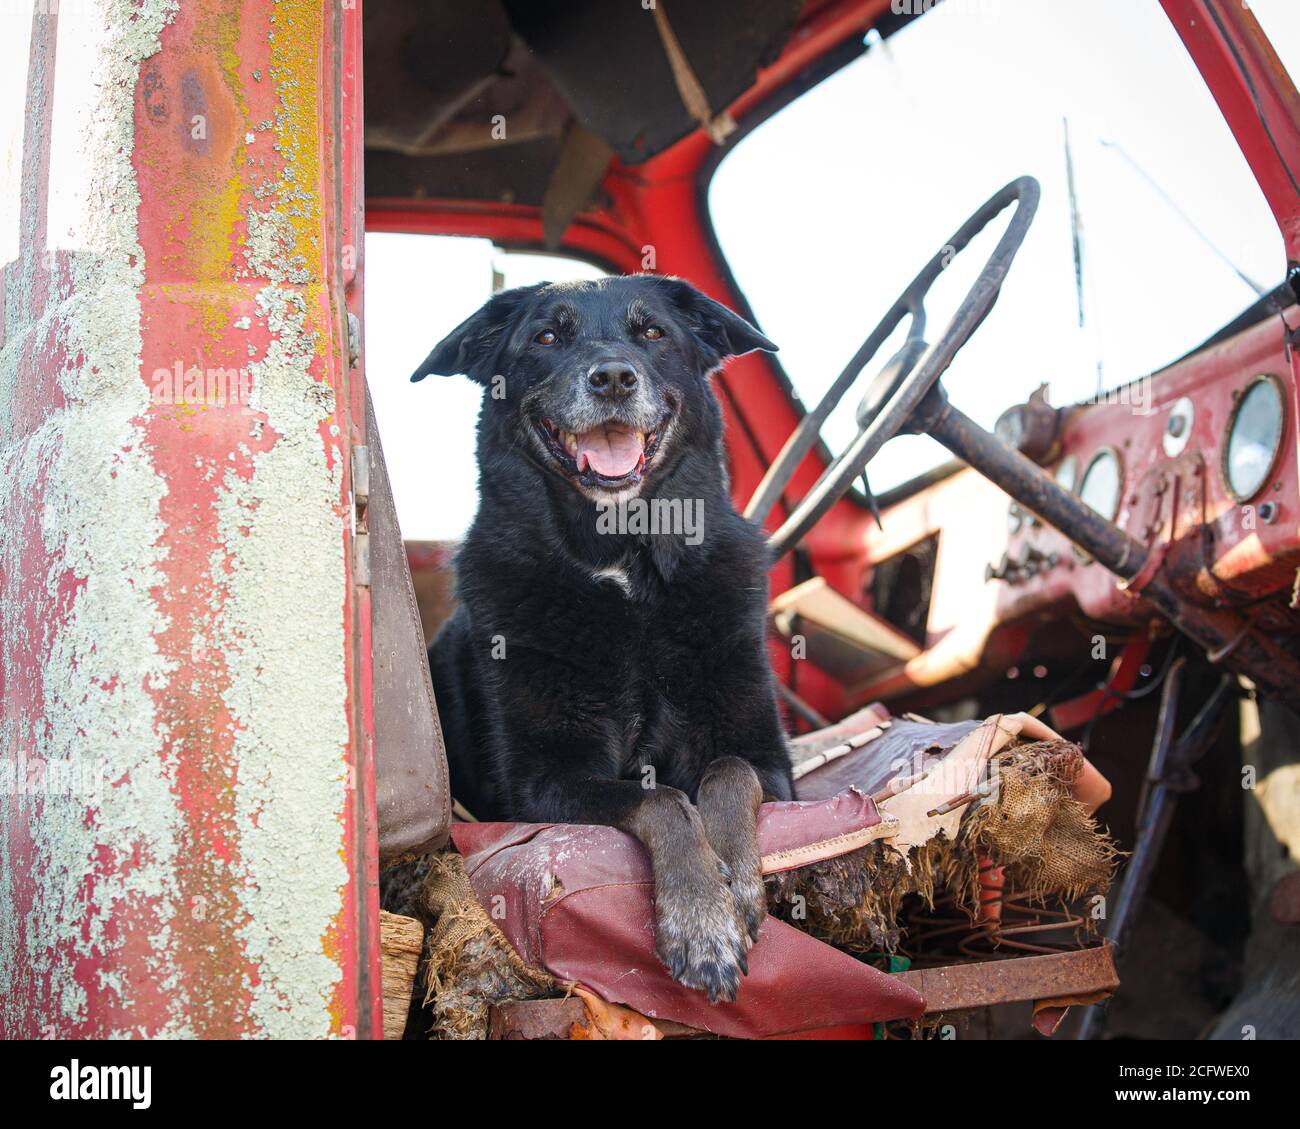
[1198,462]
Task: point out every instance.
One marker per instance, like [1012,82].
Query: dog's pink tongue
[611,450]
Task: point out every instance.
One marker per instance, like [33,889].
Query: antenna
[1076,234]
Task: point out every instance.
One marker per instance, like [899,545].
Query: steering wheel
[896,391]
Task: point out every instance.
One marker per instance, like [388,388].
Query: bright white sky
[828,210]
[418,289]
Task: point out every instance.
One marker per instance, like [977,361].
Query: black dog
[607,661]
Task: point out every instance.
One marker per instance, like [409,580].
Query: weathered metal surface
[957,987]
[541,1019]
[1031,486]
[1228,637]
[974,624]
[1081,974]
[175,541]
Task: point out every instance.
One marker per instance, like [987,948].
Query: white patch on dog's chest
[617,574]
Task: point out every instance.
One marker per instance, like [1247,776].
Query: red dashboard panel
[1219,550]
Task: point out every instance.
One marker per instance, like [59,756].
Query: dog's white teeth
[570,442]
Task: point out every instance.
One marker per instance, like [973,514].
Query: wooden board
[848,643]
[400,941]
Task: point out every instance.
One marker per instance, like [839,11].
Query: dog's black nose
[614,379]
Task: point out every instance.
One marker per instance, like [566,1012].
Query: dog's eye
[546,337]
[652,333]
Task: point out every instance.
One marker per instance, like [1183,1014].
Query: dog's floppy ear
[472,345]
[721,332]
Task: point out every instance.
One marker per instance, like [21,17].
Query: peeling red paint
[199,950]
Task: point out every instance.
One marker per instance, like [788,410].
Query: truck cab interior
[1026,463]
[1090,510]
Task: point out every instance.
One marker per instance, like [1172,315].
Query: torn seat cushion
[976,807]
[907,745]
[578,901]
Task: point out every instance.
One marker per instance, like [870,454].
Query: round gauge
[1067,473]
[1178,427]
[1254,438]
[1101,484]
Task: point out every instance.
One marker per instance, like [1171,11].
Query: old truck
[216,722]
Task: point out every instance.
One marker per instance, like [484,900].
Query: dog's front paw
[699,937]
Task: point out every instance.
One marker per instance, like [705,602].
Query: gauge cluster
[1200,467]
[1197,463]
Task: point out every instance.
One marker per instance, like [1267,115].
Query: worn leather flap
[413,797]
[579,901]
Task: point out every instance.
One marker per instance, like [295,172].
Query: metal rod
[1137,875]
[1029,485]
[1150,838]
[1170,761]
[1225,635]
[802,708]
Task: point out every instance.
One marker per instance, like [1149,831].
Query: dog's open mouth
[612,454]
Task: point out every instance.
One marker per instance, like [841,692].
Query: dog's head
[600,382]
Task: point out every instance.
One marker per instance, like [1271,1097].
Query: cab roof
[505,100]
